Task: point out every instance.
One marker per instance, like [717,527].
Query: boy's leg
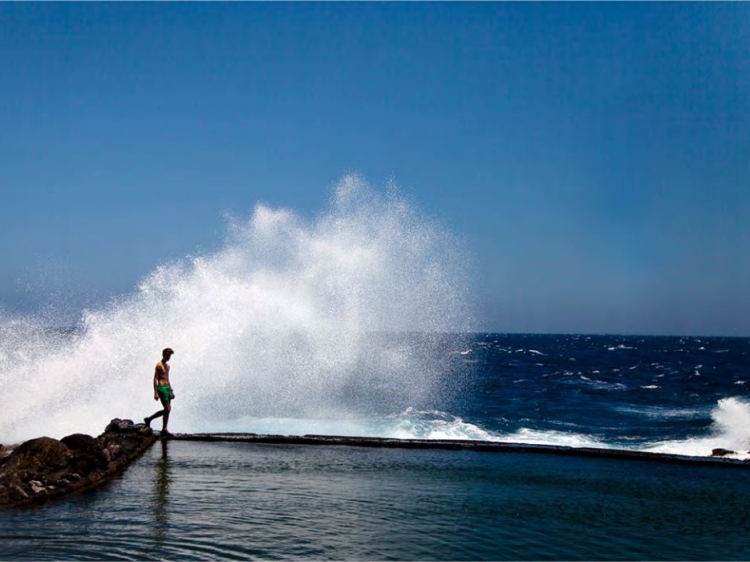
[167,409]
[151,418]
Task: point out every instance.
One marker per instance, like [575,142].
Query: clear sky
[594,158]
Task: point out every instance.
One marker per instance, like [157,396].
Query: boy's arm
[156,382]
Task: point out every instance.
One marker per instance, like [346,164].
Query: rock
[122,426]
[50,468]
[88,453]
[80,442]
[89,461]
[5,452]
[17,493]
[722,452]
[40,455]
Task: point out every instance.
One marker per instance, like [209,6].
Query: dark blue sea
[684,395]
[679,395]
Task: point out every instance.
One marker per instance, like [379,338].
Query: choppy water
[665,394]
[187,500]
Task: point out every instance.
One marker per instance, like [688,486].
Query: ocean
[361,322]
[683,395]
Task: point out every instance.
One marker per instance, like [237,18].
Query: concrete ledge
[484,446]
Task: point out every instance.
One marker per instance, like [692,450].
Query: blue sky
[594,158]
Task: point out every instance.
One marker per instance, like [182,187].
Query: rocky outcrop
[45,468]
[722,452]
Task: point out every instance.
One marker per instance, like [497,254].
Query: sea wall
[718,457]
[44,468]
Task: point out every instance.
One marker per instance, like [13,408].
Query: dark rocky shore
[44,468]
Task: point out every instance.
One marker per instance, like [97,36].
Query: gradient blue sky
[595,158]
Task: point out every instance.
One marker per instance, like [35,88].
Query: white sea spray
[283,320]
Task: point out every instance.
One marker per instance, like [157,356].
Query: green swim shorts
[165,392]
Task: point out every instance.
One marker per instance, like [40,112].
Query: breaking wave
[291,318]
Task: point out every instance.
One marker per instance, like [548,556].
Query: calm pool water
[189,500]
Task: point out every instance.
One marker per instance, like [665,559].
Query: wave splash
[730,430]
[290,318]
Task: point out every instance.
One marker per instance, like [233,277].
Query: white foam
[416,424]
[285,426]
[664,412]
[602,385]
[408,424]
[730,430]
[555,438]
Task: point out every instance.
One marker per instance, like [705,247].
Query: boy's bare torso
[161,374]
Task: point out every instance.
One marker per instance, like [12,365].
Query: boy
[162,390]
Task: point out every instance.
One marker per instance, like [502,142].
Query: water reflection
[160,497]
